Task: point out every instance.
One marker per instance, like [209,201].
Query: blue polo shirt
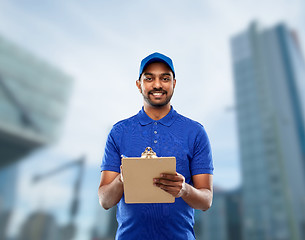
[173,135]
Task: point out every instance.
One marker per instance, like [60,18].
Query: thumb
[121,174]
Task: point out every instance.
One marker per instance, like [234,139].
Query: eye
[148,79]
[165,79]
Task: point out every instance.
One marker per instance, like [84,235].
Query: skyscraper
[214,224]
[269,80]
[39,226]
[8,182]
[33,101]
[223,220]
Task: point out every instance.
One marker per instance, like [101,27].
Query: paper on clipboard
[138,176]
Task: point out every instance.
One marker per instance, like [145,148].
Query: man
[158,126]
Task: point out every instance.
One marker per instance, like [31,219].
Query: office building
[33,101]
[40,226]
[8,182]
[223,220]
[105,224]
[269,79]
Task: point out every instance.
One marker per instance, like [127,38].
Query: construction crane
[68,231]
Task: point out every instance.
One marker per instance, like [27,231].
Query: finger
[166,188]
[121,174]
[169,182]
[171,190]
[172,177]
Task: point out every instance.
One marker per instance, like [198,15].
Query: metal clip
[148,153]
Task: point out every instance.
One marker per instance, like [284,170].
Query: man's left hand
[174,184]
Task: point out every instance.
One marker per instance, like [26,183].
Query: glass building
[40,226]
[33,101]
[214,221]
[8,184]
[269,80]
[223,220]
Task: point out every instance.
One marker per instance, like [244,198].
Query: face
[157,84]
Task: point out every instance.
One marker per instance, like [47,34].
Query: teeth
[157,94]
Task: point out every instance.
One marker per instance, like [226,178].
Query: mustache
[157,90]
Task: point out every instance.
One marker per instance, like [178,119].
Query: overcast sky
[101,43]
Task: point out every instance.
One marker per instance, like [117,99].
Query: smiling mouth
[157,94]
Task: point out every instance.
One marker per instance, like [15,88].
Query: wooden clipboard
[138,174]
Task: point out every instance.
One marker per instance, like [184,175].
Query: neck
[156,113]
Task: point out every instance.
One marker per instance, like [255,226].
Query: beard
[155,103]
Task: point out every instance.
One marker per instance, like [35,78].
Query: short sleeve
[202,162]
[111,159]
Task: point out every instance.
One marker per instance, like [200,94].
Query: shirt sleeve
[111,159]
[202,162]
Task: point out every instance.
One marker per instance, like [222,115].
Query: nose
[157,83]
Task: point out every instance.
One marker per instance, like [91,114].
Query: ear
[138,83]
[174,83]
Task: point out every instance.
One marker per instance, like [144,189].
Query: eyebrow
[163,74]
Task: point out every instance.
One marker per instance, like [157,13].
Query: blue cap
[156,57]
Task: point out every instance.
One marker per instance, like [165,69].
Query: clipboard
[138,174]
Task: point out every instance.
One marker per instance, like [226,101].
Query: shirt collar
[168,120]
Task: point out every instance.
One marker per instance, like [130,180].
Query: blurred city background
[68,72]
